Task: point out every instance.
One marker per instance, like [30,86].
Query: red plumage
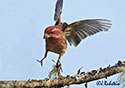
[56,41]
[56,36]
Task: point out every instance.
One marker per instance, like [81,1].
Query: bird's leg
[41,61]
[57,68]
[58,64]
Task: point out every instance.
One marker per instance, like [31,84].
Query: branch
[68,80]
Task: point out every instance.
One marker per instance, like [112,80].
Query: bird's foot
[40,61]
[56,71]
[59,66]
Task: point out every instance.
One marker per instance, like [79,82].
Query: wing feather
[79,30]
[58,9]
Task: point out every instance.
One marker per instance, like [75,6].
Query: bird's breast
[56,45]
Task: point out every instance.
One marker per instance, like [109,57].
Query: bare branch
[68,80]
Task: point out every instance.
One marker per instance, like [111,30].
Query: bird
[58,35]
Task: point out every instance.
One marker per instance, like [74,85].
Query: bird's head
[53,32]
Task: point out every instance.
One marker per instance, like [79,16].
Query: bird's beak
[46,36]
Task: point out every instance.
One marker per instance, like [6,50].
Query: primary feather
[79,30]
[58,9]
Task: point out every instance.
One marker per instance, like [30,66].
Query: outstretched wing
[79,30]
[58,9]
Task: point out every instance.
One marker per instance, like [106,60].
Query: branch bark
[68,80]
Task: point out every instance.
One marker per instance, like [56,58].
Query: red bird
[56,36]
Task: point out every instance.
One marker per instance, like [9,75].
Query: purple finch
[56,36]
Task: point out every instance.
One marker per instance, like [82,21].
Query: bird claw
[40,61]
[56,71]
[59,67]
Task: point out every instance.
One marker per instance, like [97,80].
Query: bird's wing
[79,30]
[58,9]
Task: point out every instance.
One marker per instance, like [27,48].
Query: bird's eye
[52,32]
